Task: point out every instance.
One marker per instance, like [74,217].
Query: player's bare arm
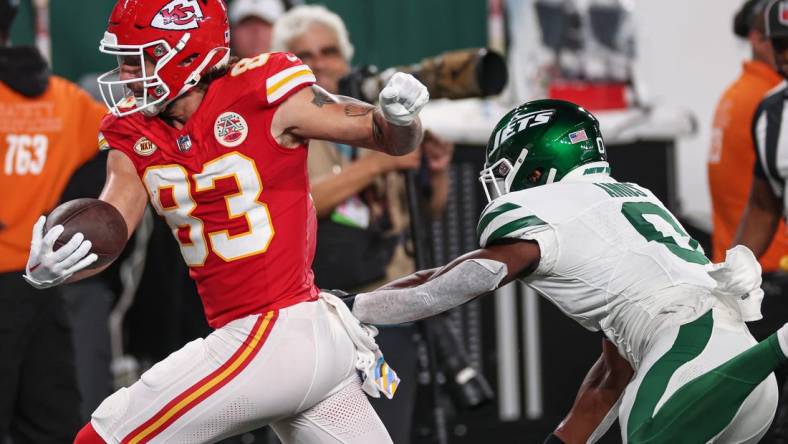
[393,127]
[123,190]
[760,218]
[596,405]
[462,280]
[429,292]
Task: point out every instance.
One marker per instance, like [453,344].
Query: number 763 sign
[25,154]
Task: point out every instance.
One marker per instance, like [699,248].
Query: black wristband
[552,439]
[348,298]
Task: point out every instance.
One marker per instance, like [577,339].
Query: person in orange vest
[48,129]
[732,151]
[732,145]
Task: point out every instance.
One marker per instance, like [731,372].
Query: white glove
[47,268]
[739,277]
[402,99]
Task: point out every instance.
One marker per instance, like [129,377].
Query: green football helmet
[542,142]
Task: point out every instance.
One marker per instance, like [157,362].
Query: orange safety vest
[732,157]
[43,140]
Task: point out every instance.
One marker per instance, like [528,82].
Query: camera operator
[359,197]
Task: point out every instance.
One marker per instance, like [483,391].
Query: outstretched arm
[427,293]
[393,127]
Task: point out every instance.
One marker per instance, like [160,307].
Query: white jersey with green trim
[613,258]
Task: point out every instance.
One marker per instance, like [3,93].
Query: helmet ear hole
[535,175]
[502,170]
[188,60]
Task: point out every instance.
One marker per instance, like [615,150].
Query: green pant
[710,398]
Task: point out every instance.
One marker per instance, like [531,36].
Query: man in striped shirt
[767,195]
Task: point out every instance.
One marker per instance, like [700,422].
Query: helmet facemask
[116,92]
[156,93]
[497,179]
[493,179]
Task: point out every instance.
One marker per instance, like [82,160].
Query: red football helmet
[183,38]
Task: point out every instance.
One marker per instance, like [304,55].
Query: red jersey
[237,202]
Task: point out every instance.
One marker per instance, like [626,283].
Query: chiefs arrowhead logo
[178,15]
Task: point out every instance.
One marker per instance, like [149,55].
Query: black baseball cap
[745,17]
[777,19]
[7,13]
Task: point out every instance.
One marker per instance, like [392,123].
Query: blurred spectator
[733,151]
[732,145]
[359,197]
[734,148]
[360,200]
[48,128]
[252,21]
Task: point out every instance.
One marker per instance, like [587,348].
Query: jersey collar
[590,172]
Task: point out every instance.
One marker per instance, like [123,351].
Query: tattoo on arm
[394,140]
[353,107]
[321,96]
[358,110]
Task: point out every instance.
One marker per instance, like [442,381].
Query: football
[100,222]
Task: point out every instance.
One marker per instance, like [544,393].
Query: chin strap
[196,75]
[588,172]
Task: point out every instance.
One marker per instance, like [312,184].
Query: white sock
[782,338]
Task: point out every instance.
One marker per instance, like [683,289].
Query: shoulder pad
[506,218]
[103,145]
[278,74]
[120,133]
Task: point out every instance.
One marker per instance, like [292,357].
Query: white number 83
[178,209]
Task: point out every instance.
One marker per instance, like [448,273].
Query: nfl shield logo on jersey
[230,129]
[184,143]
[178,15]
